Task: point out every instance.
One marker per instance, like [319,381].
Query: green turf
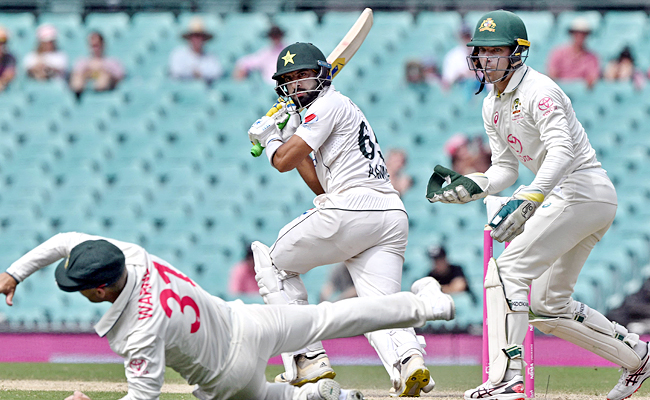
[587,381]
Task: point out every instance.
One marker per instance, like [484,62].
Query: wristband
[271,147]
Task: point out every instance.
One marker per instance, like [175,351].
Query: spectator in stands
[191,61]
[414,71]
[396,160]
[339,286]
[7,61]
[242,276]
[454,65]
[420,74]
[574,61]
[450,276]
[623,69]
[468,155]
[103,72]
[47,61]
[263,60]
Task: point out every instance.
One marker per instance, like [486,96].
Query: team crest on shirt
[516,110]
[488,25]
[138,366]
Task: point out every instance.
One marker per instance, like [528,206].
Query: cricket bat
[342,53]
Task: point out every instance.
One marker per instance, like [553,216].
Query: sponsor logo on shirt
[138,366]
[496,117]
[518,148]
[546,104]
[311,118]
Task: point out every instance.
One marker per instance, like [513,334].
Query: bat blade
[350,43]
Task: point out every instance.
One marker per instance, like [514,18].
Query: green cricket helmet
[302,56]
[499,28]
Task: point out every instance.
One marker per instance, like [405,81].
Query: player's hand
[509,221]
[77,396]
[286,116]
[459,188]
[8,287]
[263,131]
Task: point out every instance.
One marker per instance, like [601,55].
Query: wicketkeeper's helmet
[498,29]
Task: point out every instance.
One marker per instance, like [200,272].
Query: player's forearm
[555,165]
[308,173]
[501,177]
[48,252]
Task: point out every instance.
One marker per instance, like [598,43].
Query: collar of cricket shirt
[111,316]
[517,78]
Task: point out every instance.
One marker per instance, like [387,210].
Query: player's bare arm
[8,287]
[291,154]
[308,173]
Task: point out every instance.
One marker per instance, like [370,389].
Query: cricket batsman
[358,219]
[565,210]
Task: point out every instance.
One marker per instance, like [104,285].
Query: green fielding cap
[499,28]
[91,264]
[299,56]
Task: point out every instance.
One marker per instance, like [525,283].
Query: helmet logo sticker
[488,25]
[288,58]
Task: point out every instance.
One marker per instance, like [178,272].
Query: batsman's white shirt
[346,152]
[160,318]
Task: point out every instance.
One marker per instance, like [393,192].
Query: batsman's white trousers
[263,331]
[556,242]
[370,243]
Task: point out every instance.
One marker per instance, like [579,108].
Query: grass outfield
[107,382]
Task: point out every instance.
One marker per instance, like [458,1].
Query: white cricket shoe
[508,390]
[326,389]
[414,378]
[428,289]
[310,369]
[630,381]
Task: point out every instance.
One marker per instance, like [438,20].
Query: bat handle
[256,150]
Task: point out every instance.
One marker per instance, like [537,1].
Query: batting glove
[458,188]
[286,116]
[509,221]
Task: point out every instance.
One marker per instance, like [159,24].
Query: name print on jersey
[145,308]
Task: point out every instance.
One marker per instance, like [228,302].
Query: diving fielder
[160,317]
[359,218]
[566,210]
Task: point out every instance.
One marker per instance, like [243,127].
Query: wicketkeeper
[566,210]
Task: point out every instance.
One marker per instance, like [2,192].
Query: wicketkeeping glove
[459,188]
[509,221]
